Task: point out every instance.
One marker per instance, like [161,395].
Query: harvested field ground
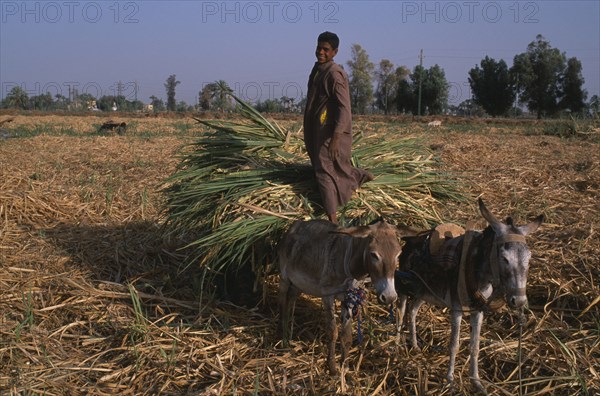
[94,299]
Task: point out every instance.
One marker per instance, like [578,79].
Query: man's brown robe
[327,113]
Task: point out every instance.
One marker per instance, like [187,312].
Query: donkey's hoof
[479,388]
[451,386]
[333,369]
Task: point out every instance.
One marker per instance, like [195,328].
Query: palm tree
[221,95]
[170,85]
[17,98]
[215,95]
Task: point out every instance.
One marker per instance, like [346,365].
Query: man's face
[325,52]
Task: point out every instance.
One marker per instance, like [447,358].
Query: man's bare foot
[368,176]
[332,217]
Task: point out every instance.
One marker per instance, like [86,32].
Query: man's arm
[342,114]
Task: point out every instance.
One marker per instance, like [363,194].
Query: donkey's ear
[406,231]
[357,232]
[531,227]
[486,213]
[496,224]
[377,220]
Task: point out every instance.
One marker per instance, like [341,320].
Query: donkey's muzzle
[386,291]
[387,298]
[516,298]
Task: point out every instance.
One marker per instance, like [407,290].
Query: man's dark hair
[330,38]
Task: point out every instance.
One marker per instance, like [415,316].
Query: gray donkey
[489,269]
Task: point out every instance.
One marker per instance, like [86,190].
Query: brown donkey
[321,259]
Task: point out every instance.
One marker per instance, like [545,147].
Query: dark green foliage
[574,95]
[361,88]
[492,86]
[543,79]
[434,91]
[170,86]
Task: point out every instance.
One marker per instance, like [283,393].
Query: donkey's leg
[284,285]
[288,294]
[455,318]
[400,311]
[414,310]
[346,336]
[292,297]
[329,305]
[476,320]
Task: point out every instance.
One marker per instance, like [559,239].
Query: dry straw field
[94,299]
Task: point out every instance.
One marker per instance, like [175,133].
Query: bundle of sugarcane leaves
[238,188]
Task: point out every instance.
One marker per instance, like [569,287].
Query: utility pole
[517,95]
[119,89]
[420,81]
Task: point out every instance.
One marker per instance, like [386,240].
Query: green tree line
[542,78]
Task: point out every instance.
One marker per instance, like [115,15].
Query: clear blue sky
[266,48]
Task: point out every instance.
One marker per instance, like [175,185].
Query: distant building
[92,106]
